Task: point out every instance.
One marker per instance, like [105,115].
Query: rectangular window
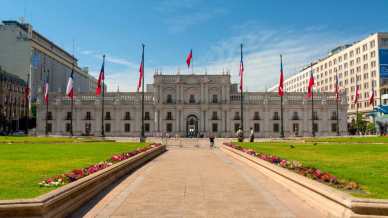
[214,115]
[215,99]
[88,116]
[256,116]
[107,127]
[68,127]
[276,116]
[68,116]
[107,116]
[236,116]
[169,115]
[214,127]
[236,127]
[127,127]
[315,127]
[146,127]
[169,127]
[256,127]
[147,115]
[49,115]
[276,127]
[127,116]
[49,127]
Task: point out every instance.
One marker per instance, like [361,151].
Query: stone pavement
[197,182]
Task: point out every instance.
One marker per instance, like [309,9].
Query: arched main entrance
[191,126]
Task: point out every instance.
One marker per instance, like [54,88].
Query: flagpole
[312,104]
[28,101]
[357,116]
[103,98]
[142,137]
[47,106]
[337,102]
[281,105]
[242,95]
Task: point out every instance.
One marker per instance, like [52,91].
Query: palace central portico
[195,105]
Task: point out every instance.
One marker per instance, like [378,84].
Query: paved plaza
[197,182]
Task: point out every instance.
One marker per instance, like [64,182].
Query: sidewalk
[197,182]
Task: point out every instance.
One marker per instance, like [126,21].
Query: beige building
[363,63]
[24,51]
[192,105]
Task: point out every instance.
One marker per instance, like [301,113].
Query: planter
[68,198]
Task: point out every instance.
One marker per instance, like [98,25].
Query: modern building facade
[13,103]
[196,105]
[24,51]
[363,64]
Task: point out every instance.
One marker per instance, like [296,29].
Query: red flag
[280,88]
[46,91]
[69,87]
[189,57]
[241,74]
[372,97]
[101,77]
[311,84]
[141,72]
[357,94]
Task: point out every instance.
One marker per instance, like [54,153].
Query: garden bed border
[330,201]
[68,198]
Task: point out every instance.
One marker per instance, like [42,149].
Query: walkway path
[197,182]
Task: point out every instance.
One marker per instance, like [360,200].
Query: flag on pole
[241,74]
[280,88]
[46,90]
[311,84]
[372,97]
[70,88]
[189,57]
[336,87]
[101,78]
[141,72]
[357,94]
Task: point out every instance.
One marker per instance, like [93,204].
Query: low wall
[328,200]
[68,198]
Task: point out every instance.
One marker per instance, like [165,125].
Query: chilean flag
[280,88]
[241,74]
[189,57]
[336,87]
[311,84]
[357,94]
[101,77]
[372,97]
[70,88]
[141,72]
[46,91]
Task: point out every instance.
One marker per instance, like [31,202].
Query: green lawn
[366,164]
[23,165]
[366,139]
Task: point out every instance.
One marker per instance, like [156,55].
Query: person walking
[251,136]
[240,135]
[211,140]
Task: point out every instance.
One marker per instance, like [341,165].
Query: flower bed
[298,167]
[77,174]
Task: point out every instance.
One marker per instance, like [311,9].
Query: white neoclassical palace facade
[192,104]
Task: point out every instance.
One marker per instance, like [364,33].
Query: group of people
[239,134]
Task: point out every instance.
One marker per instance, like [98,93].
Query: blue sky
[302,30]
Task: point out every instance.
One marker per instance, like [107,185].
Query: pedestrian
[240,135]
[251,136]
[211,139]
